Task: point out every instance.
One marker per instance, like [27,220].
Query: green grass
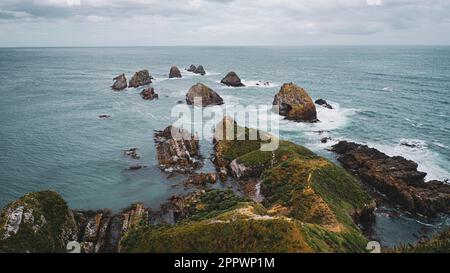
[51,236]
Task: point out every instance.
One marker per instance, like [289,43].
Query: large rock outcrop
[174,72]
[177,150]
[395,177]
[232,79]
[41,222]
[140,78]
[207,95]
[308,207]
[37,222]
[295,104]
[120,83]
[101,231]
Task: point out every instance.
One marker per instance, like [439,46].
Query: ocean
[51,136]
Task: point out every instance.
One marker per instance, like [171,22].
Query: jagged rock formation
[149,94]
[295,104]
[140,78]
[323,103]
[120,82]
[37,222]
[174,72]
[42,222]
[201,179]
[207,95]
[191,68]
[232,79]
[177,150]
[396,177]
[200,70]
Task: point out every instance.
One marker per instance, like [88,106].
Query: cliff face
[37,222]
[307,206]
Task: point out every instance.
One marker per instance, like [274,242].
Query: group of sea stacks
[292,101]
[291,199]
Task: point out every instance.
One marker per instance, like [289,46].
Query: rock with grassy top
[37,222]
[295,104]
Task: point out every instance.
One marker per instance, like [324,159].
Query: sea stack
[174,72]
[120,83]
[295,104]
[232,79]
[191,68]
[149,94]
[140,78]
[200,70]
[323,103]
[207,95]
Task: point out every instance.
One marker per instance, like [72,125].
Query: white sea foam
[413,123]
[428,160]
[329,119]
[251,84]
[260,84]
[440,145]
[388,89]
[188,74]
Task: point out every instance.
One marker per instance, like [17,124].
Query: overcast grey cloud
[229,22]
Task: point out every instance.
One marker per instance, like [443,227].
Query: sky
[223,22]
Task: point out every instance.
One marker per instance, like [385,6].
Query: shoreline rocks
[395,177]
[120,83]
[174,72]
[323,103]
[295,104]
[149,94]
[232,79]
[177,150]
[140,78]
[201,179]
[207,95]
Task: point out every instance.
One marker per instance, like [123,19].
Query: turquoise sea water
[50,99]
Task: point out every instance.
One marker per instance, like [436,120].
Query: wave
[440,145]
[251,84]
[329,119]
[260,84]
[428,161]
[188,74]
[413,123]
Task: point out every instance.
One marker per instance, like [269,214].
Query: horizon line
[317,45]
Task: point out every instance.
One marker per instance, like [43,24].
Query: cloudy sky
[223,22]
